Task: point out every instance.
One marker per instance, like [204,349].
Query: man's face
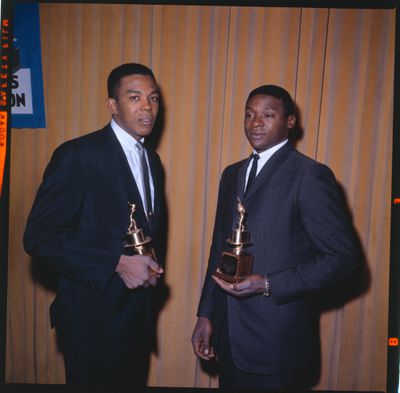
[136,105]
[264,122]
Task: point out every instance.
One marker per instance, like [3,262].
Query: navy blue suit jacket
[77,227]
[302,240]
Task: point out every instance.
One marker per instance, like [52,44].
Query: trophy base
[234,268]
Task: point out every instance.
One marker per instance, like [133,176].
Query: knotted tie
[253,172]
[146,181]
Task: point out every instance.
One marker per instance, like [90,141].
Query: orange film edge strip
[393,342]
[3,146]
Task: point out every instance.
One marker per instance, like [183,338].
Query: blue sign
[27,103]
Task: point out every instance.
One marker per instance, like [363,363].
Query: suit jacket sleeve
[210,288]
[336,251]
[52,231]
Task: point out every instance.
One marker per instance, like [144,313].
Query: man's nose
[258,121]
[146,104]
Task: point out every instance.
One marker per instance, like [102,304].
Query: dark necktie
[146,181]
[253,172]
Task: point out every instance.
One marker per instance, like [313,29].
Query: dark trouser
[101,360]
[106,369]
[230,377]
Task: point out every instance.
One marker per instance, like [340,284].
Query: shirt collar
[266,154]
[127,141]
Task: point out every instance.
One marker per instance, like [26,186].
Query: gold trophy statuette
[236,265]
[136,242]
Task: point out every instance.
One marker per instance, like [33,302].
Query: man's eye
[155,98]
[133,98]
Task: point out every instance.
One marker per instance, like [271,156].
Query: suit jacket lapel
[119,160]
[242,179]
[268,170]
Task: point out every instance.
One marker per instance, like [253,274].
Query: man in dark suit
[78,226]
[262,328]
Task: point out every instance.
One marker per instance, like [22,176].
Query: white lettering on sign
[21,97]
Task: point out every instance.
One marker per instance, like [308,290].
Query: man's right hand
[201,339]
[138,271]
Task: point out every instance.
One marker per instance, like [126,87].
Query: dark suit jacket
[77,227]
[303,240]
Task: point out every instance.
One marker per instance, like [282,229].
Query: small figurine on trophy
[136,241]
[236,265]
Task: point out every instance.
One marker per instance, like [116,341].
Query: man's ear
[291,121]
[112,106]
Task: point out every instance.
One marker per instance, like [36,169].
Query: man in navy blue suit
[262,329]
[78,225]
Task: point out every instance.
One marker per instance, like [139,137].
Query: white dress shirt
[264,157]
[128,144]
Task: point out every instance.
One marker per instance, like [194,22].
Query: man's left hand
[251,285]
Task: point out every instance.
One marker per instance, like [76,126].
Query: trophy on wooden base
[136,242]
[236,265]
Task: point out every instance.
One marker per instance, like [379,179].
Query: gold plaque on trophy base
[234,268]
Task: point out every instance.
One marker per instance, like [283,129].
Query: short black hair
[278,92]
[119,72]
